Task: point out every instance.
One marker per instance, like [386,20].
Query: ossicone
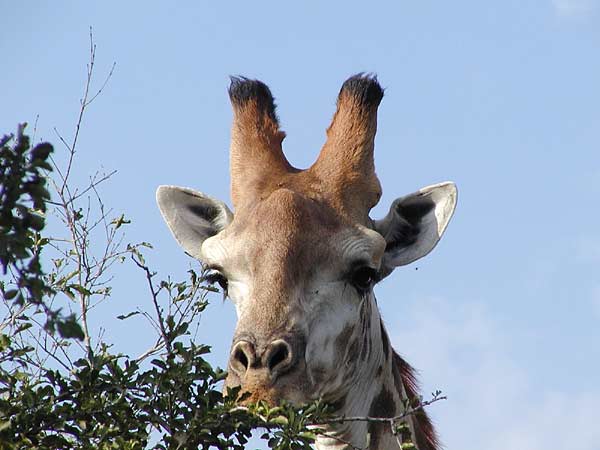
[244,90]
[364,89]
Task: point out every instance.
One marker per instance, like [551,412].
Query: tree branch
[154,295]
[393,420]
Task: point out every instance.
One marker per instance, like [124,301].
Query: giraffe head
[300,256]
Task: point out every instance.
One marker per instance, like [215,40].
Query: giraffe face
[298,275]
[301,276]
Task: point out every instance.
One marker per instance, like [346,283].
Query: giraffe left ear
[415,224]
[192,216]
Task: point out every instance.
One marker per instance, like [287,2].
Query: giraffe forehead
[295,231]
[286,227]
[290,210]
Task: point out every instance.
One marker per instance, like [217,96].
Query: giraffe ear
[415,224]
[192,216]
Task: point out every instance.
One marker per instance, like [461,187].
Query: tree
[59,387]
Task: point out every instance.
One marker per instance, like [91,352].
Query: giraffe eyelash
[216,277]
[363,278]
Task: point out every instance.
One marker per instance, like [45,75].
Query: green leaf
[307,435]
[4,342]
[127,316]
[36,222]
[9,295]
[279,420]
[79,288]
[70,329]
[159,363]
[23,327]
[42,151]
[120,221]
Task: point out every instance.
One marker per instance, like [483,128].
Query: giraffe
[299,259]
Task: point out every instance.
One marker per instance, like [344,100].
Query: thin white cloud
[574,8]
[586,248]
[557,421]
[495,402]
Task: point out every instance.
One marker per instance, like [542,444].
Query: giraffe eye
[363,278]
[215,277]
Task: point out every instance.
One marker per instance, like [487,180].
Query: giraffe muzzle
[249,363]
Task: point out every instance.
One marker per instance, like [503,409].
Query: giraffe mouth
[258,385]
[271,395]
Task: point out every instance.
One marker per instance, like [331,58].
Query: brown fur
[404,374]
[281,242]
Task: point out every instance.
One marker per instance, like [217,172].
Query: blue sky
[503,98]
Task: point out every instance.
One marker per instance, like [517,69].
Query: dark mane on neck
[426,438]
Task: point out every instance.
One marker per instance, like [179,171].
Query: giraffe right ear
[415,224]
[192,216]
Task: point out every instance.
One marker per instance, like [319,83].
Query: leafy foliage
[57,392]
[23,197]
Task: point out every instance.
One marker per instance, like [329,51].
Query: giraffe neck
[378,382]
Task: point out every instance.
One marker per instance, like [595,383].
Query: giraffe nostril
[242,356]
[276,359]
[279,356]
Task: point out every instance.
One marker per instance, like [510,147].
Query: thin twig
[37,117]
[410,411]
[52,353]
[110,73]
[80,231]
[343,441]
[152,351]
[92,186]
[154,294]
